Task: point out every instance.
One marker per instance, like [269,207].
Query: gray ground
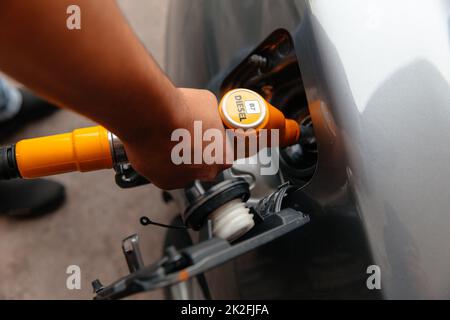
[87,231]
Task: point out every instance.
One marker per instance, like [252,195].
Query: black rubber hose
[8,164]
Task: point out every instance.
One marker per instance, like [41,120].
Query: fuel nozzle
[87,149]
[96,148]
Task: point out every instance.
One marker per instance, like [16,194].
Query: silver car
[371,80]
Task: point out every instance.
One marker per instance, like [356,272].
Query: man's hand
[150,151]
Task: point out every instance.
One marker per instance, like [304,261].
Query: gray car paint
[377,77]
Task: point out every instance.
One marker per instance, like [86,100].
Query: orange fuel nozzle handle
[83,150]
[95,148]
[245,109]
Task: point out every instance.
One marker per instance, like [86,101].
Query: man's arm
[103,72]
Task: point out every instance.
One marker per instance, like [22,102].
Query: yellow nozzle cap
[243,109]
[246,109]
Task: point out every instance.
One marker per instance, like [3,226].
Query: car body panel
[377,76]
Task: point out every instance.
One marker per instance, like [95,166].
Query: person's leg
[25,198]
[19,106]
